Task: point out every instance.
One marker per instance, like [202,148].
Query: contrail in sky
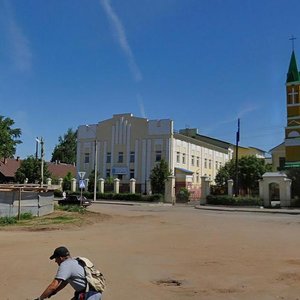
[21,52]
[141,105]
[122,39]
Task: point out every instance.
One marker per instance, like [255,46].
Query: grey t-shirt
[71,271]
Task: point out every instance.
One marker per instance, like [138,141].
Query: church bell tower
[292,130]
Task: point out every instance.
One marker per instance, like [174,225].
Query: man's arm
[55,286]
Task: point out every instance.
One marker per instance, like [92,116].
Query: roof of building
[9,166]
[293,73]
[192,133]
[276,147]
[61,170]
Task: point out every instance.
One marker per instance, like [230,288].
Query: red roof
[61,170]
[9,167]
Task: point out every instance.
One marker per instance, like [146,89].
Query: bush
[57,193]
[234,201]
[26,216]
[183,195]
[71,208]
[8,220]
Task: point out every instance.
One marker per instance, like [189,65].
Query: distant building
[287,154]
[247,151]
[292,130]
[129,147]
[9,166]
[278,157]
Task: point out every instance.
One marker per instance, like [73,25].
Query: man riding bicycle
[69,271]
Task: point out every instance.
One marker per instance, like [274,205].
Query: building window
[131,173]
[86,158]
[183,158]
[132,156]
[217,165]
[107,173]
[193,160]
[205,163]
[281,163]
[108,157]
[209,164]
[198,161]
[178,157]
[158,155]
[120,157]
[120,176]
[197,177]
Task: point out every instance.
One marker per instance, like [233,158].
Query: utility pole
[95,160]
[236,182]
[96,175]
[41,141]
[42,162]
[36,148]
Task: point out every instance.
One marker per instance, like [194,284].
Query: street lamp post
[95,178]
[95,163]
[41,141]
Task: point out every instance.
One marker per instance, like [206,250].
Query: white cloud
[122,39]
[141,105]
[20,46]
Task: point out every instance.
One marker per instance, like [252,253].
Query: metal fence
[15,201]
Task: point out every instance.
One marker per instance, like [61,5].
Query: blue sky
[203,64]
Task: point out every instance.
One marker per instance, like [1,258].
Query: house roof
[61,170]
[9,166]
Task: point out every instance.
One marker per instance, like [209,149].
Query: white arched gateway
[275,186]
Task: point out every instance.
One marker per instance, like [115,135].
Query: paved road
[165,252]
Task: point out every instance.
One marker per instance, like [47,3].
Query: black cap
[60,252]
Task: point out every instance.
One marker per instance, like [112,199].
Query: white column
[132,185]
[101,185]
[230,187]
[116,186]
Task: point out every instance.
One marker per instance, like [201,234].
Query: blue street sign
[81,184]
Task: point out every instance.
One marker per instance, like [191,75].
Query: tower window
[86,158]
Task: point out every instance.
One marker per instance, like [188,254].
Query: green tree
[67,182]
[250,170]
[159,176]
[65,151]
[31,168]
[225,173]
[8,137]
[294,174]
[91,182]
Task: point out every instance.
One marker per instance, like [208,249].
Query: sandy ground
[165,253]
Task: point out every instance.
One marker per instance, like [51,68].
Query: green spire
[293,74]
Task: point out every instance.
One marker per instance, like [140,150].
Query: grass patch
[4,221]
[59,219]
[71,208]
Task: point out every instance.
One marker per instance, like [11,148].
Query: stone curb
[255,210]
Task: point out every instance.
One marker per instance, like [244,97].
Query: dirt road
[165,253]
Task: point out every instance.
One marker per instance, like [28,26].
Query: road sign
[81,184]
[81,175]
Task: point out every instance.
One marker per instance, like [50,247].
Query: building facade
[287,154]
[129,147]
[292,130]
